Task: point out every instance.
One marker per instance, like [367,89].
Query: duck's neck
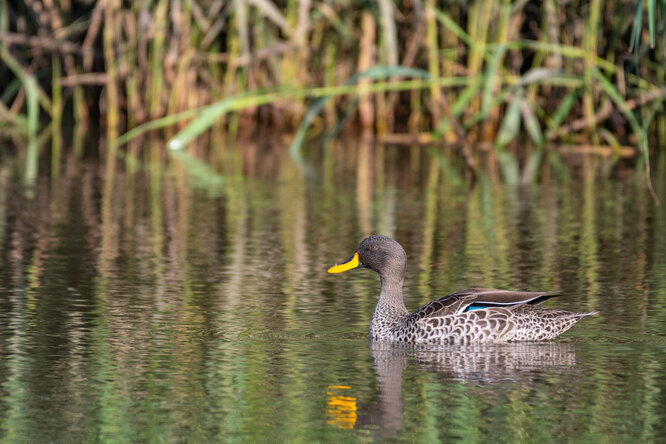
[390,311]
[390,296]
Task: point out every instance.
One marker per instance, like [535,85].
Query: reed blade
[639,130]
[531,123]
[651,18]
[32,158]
[637,27]
[452,26]
[510,124]
[491,79]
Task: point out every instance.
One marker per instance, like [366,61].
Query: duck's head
[379,253]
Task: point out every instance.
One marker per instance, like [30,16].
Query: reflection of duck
[517,361]
[468,316]
[523,363]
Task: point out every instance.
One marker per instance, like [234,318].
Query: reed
[522,78]
[433,58]
[56,139]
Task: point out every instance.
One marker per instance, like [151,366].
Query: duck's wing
[475,298]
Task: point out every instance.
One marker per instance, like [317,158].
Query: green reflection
[148,306]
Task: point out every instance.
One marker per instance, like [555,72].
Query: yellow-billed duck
[468,316]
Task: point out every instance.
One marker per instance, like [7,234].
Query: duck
[475,315]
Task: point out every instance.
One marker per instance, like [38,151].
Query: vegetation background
[515,79]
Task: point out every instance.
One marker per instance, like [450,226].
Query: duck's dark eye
[373,247]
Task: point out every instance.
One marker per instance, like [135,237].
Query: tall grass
[517,74]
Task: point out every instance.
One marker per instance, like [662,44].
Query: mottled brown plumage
[468,316]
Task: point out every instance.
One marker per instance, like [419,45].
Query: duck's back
[485,315]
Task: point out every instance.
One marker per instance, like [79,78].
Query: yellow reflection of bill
[340,409]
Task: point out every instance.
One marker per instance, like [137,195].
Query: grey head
[384,255]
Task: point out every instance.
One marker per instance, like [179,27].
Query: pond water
[172,304]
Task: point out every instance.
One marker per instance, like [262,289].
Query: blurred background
[520,82]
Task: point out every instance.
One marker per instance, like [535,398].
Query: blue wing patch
[478,307]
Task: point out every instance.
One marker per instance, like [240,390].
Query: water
[173,305]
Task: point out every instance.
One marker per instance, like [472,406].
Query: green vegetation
[491,75]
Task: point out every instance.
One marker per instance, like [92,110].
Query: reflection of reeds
[518,72]
[178,304]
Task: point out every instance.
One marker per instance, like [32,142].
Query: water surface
[174,305]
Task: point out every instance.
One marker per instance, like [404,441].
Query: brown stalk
[276,49]
[92,78]
[464,147]
[605,113]
[93,30]
[43,43]
[366,60]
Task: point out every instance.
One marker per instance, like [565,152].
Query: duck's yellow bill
[349,265]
